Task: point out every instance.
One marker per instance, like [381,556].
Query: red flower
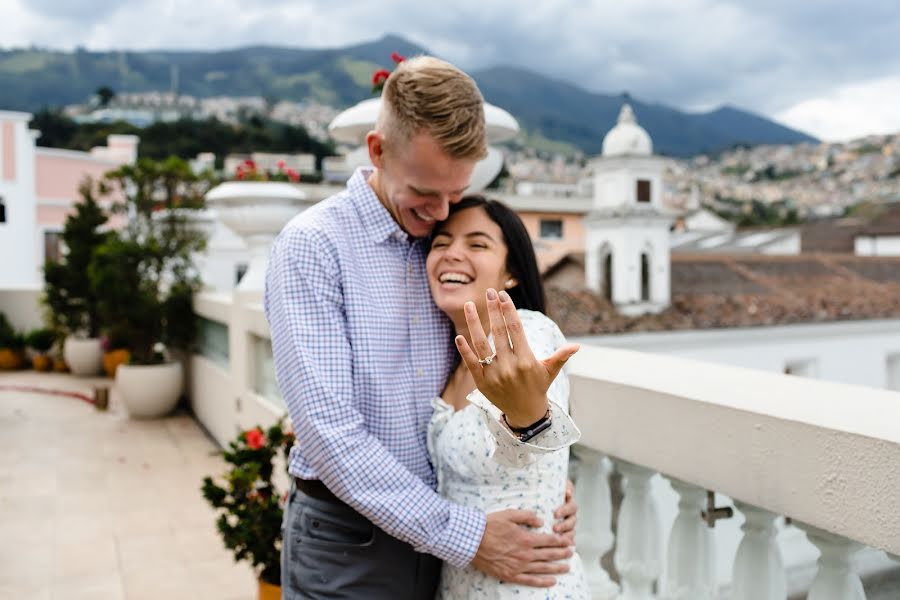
[380,76]
[250,164]
[293,175]
[397,57]
[281,164]
[256,439]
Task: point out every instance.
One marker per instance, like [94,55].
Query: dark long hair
[520,259]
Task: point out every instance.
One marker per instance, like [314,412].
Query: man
[360,350]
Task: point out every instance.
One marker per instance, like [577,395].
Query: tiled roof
[742,291]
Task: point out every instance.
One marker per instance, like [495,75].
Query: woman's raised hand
[512,379]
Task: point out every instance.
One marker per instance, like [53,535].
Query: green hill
[554,114]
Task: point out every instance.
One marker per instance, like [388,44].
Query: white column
[691,572]
[835,579]
[639,543]
[594,536]
[758,568]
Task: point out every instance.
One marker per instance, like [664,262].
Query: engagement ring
[489,359]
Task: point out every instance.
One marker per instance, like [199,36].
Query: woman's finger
[498,324]
[469,358]
[555,362]
[514,327]
[476,332]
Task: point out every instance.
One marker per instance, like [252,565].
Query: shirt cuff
[512,452]
[464,533]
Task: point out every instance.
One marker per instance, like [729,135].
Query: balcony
[797,467]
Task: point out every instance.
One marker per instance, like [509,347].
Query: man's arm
[313,361]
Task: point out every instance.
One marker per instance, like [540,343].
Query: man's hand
[513,554]
[566,515]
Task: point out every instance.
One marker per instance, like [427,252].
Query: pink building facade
[38,189]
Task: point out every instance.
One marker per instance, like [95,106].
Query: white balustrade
[835,579]
[639,547]
[691,565]
[594,536]
[758,568]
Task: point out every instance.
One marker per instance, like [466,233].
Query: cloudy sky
[828,67]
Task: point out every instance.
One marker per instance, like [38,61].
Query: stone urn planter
[257,211]
[352,125]
[149,391]
[83,355]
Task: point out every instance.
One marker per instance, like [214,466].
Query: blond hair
[426,94]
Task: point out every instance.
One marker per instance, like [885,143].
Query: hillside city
[813,179]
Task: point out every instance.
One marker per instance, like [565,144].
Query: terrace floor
[96,505]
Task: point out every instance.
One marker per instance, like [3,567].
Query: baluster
[638,548]
[758,568]
[835,579]
[594,536]
[691,572]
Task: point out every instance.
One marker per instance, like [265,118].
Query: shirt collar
[379,223]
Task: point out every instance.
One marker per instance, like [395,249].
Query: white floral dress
[480,463]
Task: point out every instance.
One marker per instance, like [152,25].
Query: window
[803,367]
[2,211]
[645,278]
[239,271]
[893,372]
[551,229]
[643,190]
[52,246]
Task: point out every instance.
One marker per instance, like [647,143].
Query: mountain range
[553,114]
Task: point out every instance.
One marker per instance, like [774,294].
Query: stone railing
[825,456]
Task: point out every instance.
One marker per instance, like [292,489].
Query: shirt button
[409,269]
[420,372]
[415,320]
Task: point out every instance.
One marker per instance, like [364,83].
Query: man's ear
[375,144]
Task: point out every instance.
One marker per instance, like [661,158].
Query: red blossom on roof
[397,57]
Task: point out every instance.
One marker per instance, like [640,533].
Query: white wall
[848,352]
[17,235]
[877,245]
[22,307]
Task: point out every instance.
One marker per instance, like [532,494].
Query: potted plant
[12,345]
[70,300]
[145,279]
[40,341]
[250,506]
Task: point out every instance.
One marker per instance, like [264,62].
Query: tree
[105,94]
[71,301]
[145,275]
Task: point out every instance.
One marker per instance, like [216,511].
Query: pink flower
[281,164]
[293,175]
[256,439]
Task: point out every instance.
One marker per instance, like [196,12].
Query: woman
[504,444]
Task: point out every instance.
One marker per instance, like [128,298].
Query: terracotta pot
[114,358]
[59,365]
[267,591]
[10,359]
[41,362]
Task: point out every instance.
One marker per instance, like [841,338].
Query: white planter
[149,391]
[256,211]
[83,355]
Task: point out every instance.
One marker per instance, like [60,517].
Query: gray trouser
[332,551]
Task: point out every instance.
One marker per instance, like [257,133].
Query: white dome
[627,138]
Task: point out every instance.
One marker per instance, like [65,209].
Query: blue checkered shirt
[360,350]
